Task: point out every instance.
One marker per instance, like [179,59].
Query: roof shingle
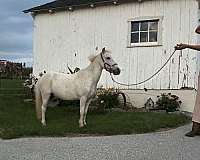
[63,4]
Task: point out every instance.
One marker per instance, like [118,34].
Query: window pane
[153,36]
[144,37]
[134,26]
[144,26]
[135,37]
[153,25]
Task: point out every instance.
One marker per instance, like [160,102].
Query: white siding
[59,37]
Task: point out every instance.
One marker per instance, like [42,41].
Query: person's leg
[195,130]
[196,115]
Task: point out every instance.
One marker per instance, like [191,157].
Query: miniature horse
[81,85]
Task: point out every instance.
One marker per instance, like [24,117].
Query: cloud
[27,61]
[2,53]
[12,56]
[17,54]
[15,42]
[16,29]
[16,20]
[18,57]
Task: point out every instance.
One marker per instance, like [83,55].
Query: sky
[16,30]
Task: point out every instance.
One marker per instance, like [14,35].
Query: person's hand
[180,46]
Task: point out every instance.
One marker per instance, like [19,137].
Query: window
[145,32]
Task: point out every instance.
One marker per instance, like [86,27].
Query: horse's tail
[38,102]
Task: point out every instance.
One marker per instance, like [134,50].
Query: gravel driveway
[168,145]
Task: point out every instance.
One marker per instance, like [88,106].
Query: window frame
[145,44]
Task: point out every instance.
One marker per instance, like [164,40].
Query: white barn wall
[68,38]
[139,97]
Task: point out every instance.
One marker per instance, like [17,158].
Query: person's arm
[195,47]
[184,46]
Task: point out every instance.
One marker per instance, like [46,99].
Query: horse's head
[108,63]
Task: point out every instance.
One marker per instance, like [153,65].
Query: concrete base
[139,97]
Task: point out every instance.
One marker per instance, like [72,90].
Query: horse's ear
[103,50]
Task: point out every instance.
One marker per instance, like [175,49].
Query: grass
[17,119]
[10,83]
[9,86]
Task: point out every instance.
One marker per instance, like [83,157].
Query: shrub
[108,99]
[168,102]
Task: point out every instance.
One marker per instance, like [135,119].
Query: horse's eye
[108,58]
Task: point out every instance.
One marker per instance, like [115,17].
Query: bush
[168,102]
[108,99]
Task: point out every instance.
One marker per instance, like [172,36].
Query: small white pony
[81,85]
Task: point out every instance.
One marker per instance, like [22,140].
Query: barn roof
[74,4]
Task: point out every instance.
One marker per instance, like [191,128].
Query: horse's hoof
[81,125]
[44,124]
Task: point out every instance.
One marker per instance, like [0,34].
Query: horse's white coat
[81,85]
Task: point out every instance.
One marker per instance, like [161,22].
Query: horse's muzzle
[116,71]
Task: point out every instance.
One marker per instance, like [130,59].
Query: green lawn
[10,83]
[17,119]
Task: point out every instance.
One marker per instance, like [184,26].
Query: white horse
[81,85]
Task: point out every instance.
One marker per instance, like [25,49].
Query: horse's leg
[86,110]
[44,107]
[82,110]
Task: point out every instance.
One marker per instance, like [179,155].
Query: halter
[106,64]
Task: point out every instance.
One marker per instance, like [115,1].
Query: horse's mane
[92,57]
